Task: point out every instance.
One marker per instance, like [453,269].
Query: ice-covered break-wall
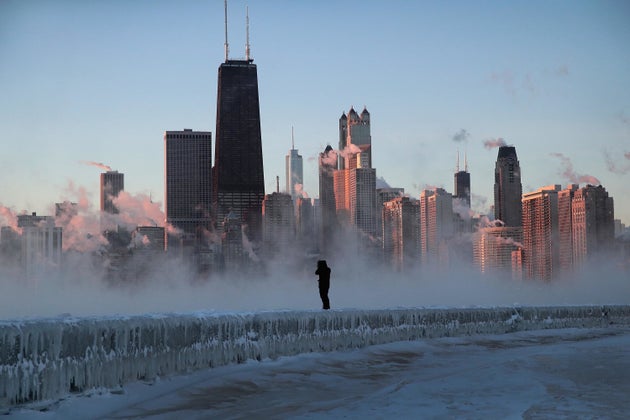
[46,359]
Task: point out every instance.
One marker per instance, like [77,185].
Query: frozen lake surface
[569,373]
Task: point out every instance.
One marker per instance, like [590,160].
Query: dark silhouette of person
[324,282]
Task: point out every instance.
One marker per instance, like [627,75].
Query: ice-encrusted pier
[46,359]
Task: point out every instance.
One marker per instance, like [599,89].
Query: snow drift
[48,358]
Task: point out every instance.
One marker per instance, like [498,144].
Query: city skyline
[103,82]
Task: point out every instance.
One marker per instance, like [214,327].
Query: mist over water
[80,291]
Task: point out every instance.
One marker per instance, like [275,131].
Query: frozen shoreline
[47,359]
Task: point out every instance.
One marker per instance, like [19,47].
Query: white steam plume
[349,151]
[8,217]
[493,143]
[299,190]
[97,164]
[569,174]
[137,210]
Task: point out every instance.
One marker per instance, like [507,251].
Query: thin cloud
[616,168]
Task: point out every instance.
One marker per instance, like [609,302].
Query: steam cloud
[350,150]
[329,158]
[461,208]
[299,190]
[461,136]
[569,174]
[615,168]
[97,164]
[287,283]
[493,143]
[8,217]
[81,293]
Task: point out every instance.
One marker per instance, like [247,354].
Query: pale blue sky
[102,80]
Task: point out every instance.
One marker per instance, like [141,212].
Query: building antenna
[227,49]
[465,161]
[457,167]
[292,139]
[246,33]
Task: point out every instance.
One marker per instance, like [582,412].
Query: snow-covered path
[570,373]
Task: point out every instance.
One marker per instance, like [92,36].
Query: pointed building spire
[292,139]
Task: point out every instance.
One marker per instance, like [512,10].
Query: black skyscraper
[508,189]
[188,180]
[112,183]
[462,186]
[462,183]
[238,177]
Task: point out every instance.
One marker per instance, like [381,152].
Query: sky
[100,81]
[570,373]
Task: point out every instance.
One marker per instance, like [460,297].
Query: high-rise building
[541,238]
[461,201]
[327,205]
[497,249]
[305,223]
[507,187]
[112,183]
[41,244]
[436,225]
[401,233]
[565,228]
[188,181]
[362,194]
[355,180]
[278,222]
[148,239]
[238,175]
[383,195]
[354,129]
[294,172]
[462,184]
[592,222]
[232,243]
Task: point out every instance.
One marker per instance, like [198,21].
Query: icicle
[47,359]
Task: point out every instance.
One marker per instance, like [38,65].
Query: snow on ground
[568,373]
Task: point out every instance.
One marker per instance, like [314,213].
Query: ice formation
[46,359]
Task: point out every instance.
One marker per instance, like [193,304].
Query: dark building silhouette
[508,189]
[593,225]
[462,184]
[238,176]
[188,181]
[112,183]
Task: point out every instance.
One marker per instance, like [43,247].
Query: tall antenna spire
[292,139]
[457,167]
[465,161]
[246,33]
[226,32]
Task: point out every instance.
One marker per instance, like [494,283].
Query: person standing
[324,282]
